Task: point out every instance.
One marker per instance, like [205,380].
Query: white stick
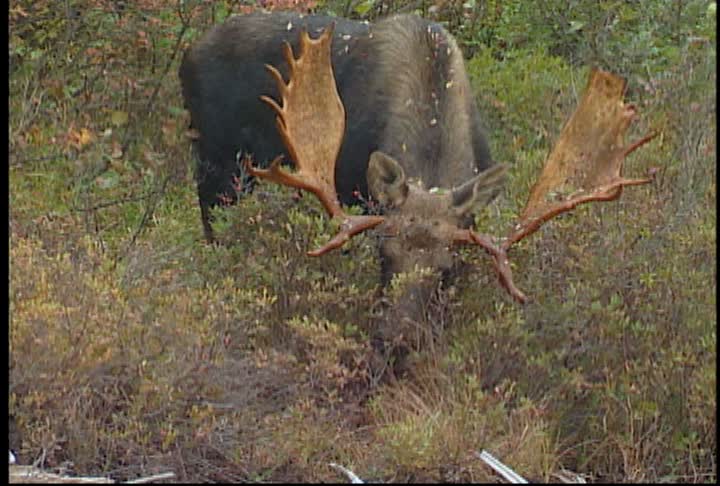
[501,468]
[150,479]
[347,472]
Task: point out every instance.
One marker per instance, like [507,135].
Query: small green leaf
[176,110]
[364,7]
[108,180]
[575,25]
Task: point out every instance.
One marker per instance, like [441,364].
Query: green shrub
[135,347]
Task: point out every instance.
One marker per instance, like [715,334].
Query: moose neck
[431,123]
[413,312]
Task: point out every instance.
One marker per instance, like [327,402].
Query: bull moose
[383,112]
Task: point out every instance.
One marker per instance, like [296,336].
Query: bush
[137,348]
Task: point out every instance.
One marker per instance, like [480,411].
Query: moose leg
[206,221]
[220,185]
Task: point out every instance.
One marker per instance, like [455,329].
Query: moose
[383,112]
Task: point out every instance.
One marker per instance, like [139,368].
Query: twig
[347,8]
[153,96]
[31,474]
[347,472]
[114,202]
[18,161]
[147,215]
[501,468]
[150,479]
[569,477]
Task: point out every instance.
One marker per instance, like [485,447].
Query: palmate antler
[311,123]
[585,165]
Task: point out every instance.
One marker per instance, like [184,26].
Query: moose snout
[420,235]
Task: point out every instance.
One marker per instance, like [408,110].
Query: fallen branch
[347,472]
[501,468]
[150,479]
[32,474]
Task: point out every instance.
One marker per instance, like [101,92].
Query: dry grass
[137,349]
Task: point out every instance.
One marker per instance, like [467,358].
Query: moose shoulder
[402,81]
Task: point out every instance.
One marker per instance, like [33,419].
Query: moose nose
[420,234]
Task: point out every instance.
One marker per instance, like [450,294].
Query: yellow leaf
[86,137]
[80,138]
[119,118]
[18,11]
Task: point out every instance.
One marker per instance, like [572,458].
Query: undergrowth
[135,347]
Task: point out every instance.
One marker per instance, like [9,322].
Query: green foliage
[525,98]
[431,427]
[103,358]
[624,37]
[136,347]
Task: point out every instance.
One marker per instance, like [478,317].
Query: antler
[584,166]
[311,123]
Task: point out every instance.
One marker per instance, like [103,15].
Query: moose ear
[479,191]
[386,180]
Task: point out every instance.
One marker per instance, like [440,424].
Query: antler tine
[311,124]
[639,143]
[290,57]
[281,87]
[500,259]
[584,166]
